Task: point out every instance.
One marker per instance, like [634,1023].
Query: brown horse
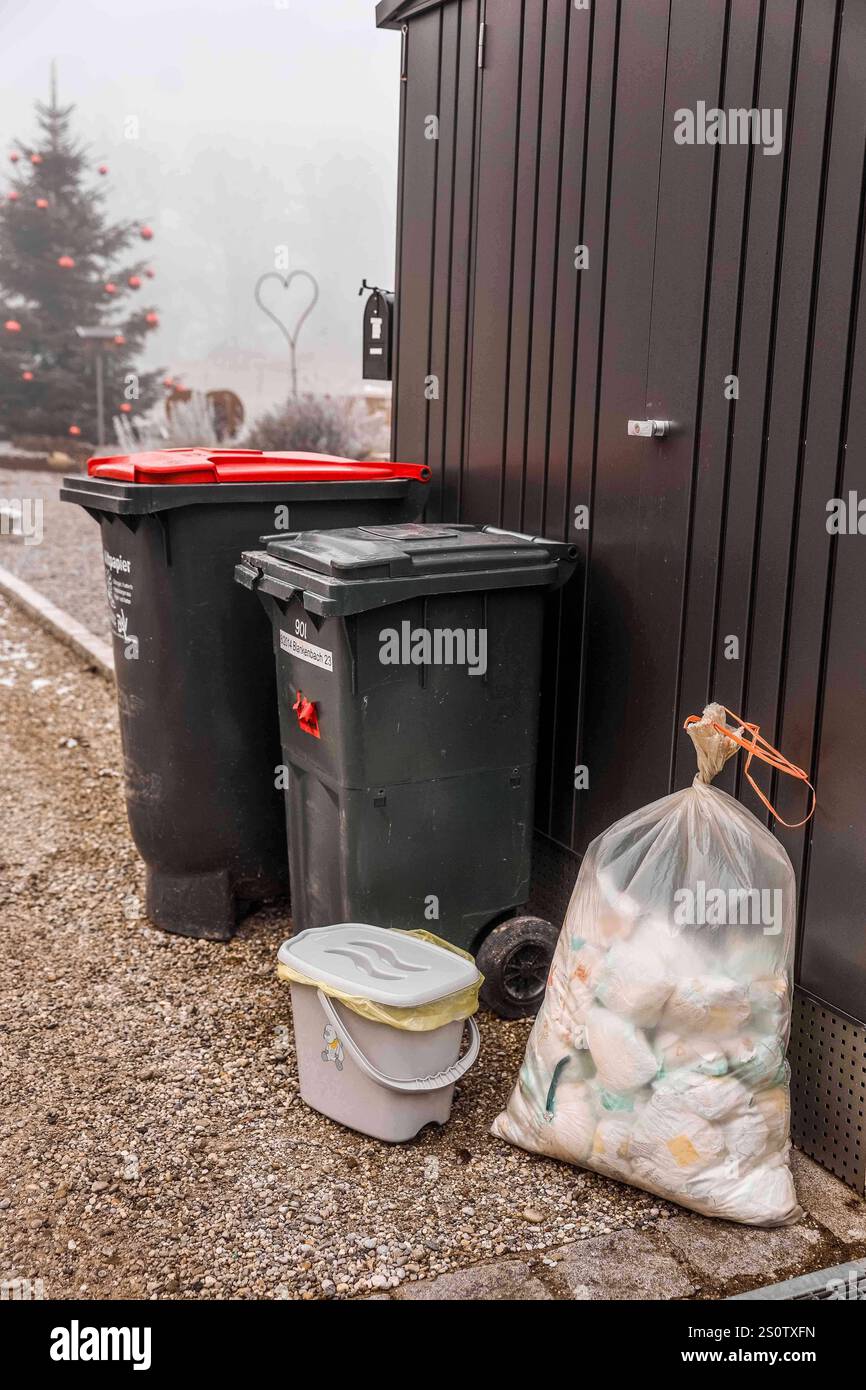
[227,409]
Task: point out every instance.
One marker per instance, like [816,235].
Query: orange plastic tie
[758,747]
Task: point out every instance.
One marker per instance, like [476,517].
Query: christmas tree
[64,267]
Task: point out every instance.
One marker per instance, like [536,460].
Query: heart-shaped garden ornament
[290,335]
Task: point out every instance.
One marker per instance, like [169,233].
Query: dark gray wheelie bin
[195,675]
[409,674]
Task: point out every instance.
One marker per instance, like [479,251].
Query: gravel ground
[67,565]
[152,1139]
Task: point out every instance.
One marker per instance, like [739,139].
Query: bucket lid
[185,466]
[389,967]
[355,568]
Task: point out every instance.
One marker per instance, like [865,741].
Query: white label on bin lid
[306,651]
[377,963]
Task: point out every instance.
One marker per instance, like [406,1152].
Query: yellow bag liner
[424,1017]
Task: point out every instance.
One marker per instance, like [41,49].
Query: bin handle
[394,1083]
[559,550]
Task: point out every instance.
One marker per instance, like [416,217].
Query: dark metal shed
[565,264]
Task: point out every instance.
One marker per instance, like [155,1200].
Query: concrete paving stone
[721,1250]
[828,1200]
[624,1265]
[503,1279]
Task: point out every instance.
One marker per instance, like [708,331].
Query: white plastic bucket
[382,1080]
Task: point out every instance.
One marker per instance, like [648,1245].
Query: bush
[316,425]
[191,425]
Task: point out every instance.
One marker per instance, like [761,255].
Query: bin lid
[352,569]
[185,466]
[377,963]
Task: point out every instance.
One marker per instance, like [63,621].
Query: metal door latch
[649,429]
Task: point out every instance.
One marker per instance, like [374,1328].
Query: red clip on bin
[308,717]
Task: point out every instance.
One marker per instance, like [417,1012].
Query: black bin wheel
[515,962]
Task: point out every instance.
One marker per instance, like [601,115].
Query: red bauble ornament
[103,168]
[134,282]
[14,157]
[168,382]
[26,376]
[73,429]
[150,272]
[36,159]
[110,287]
[13,196]
[12,326]
[126,408]
[146,234]
[42,202]
[119,340]
[152,319]
[65,262]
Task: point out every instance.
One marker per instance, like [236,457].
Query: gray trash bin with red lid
[193,658]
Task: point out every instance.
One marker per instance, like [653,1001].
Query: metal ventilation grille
[828,1089]
[840,1282]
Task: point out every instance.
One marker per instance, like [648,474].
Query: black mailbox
[378,316]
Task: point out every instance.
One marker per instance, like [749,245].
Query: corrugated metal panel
[705,262]
[823,612]
[598,70]
[493,276]
[714,414]
[451,272]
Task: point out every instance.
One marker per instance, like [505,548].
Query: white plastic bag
[671,984]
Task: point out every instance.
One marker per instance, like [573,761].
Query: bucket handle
[394,1083]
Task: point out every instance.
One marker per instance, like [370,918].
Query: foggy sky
[262,123]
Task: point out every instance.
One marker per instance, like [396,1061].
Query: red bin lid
[247,466]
